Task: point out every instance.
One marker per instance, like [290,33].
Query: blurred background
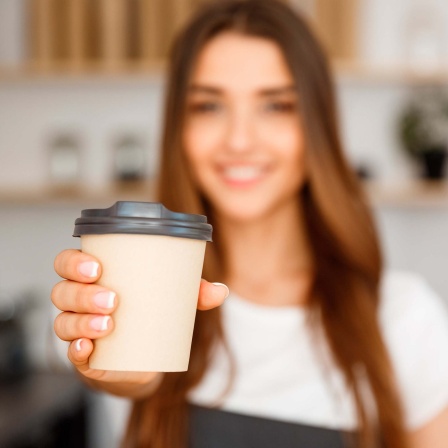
[81,89]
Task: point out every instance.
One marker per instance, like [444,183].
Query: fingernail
[225,286]
[104,299]
[78,345]
[100,323]
[89,268]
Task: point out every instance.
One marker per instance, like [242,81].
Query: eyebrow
[268,91]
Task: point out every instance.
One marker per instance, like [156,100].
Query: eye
[204,107]
[281,106]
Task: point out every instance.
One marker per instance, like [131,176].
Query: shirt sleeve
[415,322]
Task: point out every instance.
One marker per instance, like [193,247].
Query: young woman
[314,346]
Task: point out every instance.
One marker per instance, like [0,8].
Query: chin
[242,213]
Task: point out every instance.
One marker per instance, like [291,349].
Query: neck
[268,260]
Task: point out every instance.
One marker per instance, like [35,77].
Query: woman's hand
[86,310]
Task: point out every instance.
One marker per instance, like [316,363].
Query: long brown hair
[339,224]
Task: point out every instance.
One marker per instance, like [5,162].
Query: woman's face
[243,137]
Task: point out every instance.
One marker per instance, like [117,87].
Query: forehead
[237,62]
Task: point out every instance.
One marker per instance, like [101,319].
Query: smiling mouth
[243,174]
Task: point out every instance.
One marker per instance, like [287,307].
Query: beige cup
[156,278]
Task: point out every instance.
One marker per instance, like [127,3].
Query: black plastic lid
[146,218]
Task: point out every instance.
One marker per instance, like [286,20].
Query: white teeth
[242,173]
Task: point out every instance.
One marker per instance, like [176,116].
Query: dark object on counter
[434,162]
[46,410]
[129,159]
[13,359]
[423,130]
[363,171]
[65,160]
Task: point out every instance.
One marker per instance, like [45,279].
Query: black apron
[215,428]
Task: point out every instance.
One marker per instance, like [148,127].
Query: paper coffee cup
[152,259]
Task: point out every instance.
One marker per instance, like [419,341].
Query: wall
[12,31]
[389,30]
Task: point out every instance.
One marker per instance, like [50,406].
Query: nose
[240,135]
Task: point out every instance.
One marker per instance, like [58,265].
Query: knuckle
[59,325]
[59,262]
[80,325]
[56,262]
[69,354]
[79,297]
[55,292]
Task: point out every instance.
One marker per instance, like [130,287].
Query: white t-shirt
[285,373]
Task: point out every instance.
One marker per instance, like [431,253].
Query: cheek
[282,132]
[290,146]
[199,144]
[200,140]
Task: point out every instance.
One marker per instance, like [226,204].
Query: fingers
[211,295]
[142,383]
[79,352]
[81,298]
[70,326]
[75,265]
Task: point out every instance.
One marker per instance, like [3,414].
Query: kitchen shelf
[345,72]
[132,191]
[409,194]
[64,73]
[354,71]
